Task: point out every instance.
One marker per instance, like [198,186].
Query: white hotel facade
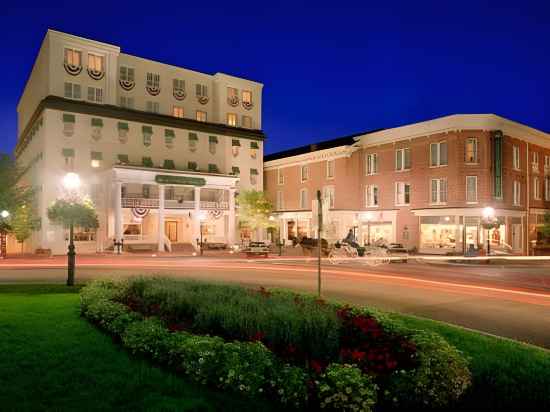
[160,150]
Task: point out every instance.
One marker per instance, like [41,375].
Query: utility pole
[319,240]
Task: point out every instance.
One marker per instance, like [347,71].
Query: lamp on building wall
[202,219]
[71,182]
[4,215]
[489,222]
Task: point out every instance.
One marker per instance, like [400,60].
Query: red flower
[357,355]
[316,366]
[258,336]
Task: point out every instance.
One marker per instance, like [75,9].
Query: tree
[24,223]
[254,210]
[545,229]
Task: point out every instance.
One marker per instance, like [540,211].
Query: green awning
[97,156]
[192,165]
[253,171]
[236,170]
[254,145]
[193,136]
[97,122]
[169,133]
[213,139]
[123,158]
[68,152]
[169,164]
[68,118]
[147,162]
[235,142]
[123,126]
[147,129]
[212,168]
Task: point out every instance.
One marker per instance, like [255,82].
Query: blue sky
[329,69]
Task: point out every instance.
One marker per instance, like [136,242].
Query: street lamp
[488,223]
[4,214]
[71,182]
[202,219]
[368,217]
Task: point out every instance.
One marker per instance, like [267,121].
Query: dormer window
[153,84]
[179,89]
[247,99]
[201,91]
[73,61]
[126,78]
[95,66]
[232,96]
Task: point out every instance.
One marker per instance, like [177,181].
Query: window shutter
[212,139]
[169,164]
[236,142]
[254,172]
[192,165]
[97,156]
[68,118]
[68,152]
[147,162]
[123,126]
[147,130]
[97,122]
[254,145]
[236,170]
[169,133]
[123,158]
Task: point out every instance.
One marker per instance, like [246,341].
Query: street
[511,301]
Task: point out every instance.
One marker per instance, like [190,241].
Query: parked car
[397,250]
[257,249]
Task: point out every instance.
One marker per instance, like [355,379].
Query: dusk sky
[328,69]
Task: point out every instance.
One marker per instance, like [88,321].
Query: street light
[4,214]
[489,223]
[71,182]
[368,217]
[202,218]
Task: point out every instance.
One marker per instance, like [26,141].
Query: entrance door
[171,230]
[516,237]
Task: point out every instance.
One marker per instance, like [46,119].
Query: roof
[313,147]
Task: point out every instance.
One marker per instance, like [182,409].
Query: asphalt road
[510,301]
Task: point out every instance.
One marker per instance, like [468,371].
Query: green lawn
[51,359]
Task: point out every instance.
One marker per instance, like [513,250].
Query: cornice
[311,157]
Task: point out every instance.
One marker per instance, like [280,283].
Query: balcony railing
[134,202]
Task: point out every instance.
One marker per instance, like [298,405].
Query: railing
[132,202]
[214,205]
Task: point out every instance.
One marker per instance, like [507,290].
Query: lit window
[402,193]
[304,173]
[247,98]
[471,189]
[470,152]
[97,157]
[247,122]
[439,191]
[95,62]
[536,188]
[330,169]
[403,159]
[517,193]
[515,158]
[177,111]
[72,91]
[303,199]
[201,116]
[231,119]
[438,154]
[152,107]
[95,94]
[371,196]
[535,163]
[372,163]
[73,57]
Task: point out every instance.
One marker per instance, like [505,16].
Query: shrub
[148,338]
[344,388]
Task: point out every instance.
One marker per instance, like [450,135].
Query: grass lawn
[51,359]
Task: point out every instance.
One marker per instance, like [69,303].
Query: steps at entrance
[183,248]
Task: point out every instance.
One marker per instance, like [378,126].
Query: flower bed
[296,349]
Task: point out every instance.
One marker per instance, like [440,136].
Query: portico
[167,207]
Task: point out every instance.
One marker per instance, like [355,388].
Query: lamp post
[368,217]
[71,182]
[202,219]
[489,223]
[4,214]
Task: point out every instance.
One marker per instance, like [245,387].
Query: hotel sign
[180,180]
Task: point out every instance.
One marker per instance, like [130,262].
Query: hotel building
[424,185]
[160,150]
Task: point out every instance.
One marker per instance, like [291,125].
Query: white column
[231,223]
[118,211]
[161,219]
[196,216]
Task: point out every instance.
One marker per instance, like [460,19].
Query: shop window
[438,232]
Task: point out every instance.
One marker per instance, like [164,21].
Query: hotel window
[201,91]
[402,194]
[547,188]
[73,57]
[280,177]
[535,163]
[546,164]
[179,88]
[439,191]
[254,147]
[97,125]
[152,107]
[169,136]
[235,146]
[280,204]
[470,152]
[95,94]
[246,122]
[232,119]
[123,129]
[146,161]
[438,154]
[68,124]
[304,173]
[403,159]
[517,193]
[193,140]
[536,188]
[371,196]
[68,155]
[168,164]
[72,91]
[126,74]
[471,189]
[95,63]
[328,193]
[253,176]
[212,144]
[247,98]
[127,102]
[96,158]
[153,81]
[232,96]
[177,111]
[515,158]
[201,116]
[372,163]
[303,199]
[330,169]
[147,132]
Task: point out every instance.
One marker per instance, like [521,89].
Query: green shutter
[236,170]
[97,122]
[212,168]
[192,165]
[169,164]
[147,129]
[68,118]
[169,133]
[122,126]
[97,156]
[235,142]
[123,158]
[147,162]
[193,136]
[253,171]
[68,152]
[254,145]
[213,139]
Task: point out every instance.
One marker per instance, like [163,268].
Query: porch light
[488,212]
[71,181]
[447,218]
[271,218]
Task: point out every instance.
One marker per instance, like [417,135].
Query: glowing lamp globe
[71,181]
[4,214]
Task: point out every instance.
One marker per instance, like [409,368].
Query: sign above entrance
[180,180]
